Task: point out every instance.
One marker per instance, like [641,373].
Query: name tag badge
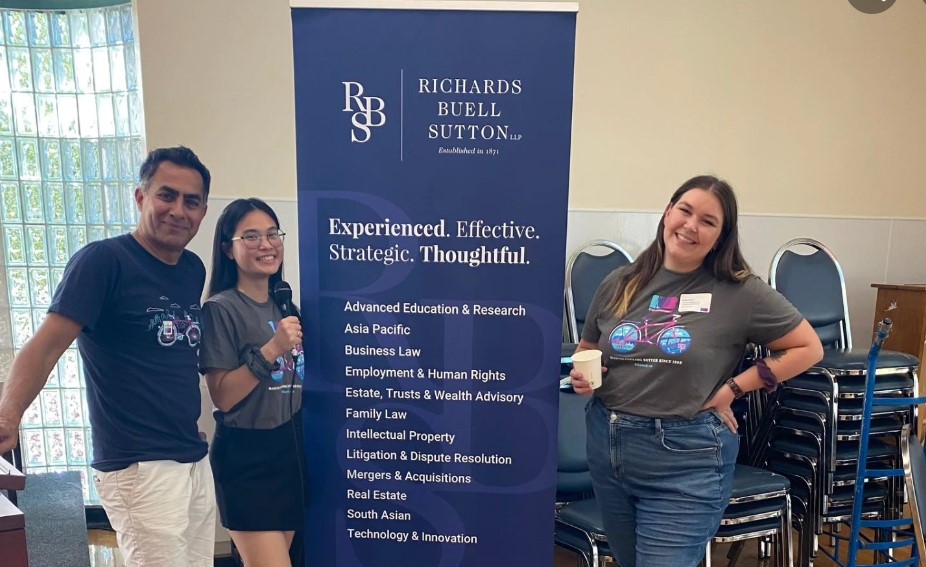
[695,303]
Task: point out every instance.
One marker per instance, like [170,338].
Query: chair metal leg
[765,549]
[808,544]
[787,537]
[735,549]
[734,555]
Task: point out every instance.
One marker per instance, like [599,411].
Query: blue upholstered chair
[815,284]
[585,270]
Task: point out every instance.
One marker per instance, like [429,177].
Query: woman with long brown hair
[672,328]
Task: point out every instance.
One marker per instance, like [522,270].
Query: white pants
[163,512]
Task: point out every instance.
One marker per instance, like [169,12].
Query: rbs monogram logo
[369,111]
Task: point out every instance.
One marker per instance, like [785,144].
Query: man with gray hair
[132,302]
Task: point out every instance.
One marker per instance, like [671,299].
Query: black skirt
[259,476]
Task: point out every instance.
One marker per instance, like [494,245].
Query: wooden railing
[12,524]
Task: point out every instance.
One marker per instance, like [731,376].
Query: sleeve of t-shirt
[219,348]
[773,316]
[591,332]
[89,278]
[198,266]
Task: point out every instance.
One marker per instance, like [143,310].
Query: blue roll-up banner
[433,163]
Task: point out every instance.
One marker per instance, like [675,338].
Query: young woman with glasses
[252,359]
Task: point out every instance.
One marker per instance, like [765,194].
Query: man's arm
[30,371]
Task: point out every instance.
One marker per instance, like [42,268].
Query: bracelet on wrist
[735,388]
[258,365]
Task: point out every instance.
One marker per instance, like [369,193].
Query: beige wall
[217,75]
[807,107]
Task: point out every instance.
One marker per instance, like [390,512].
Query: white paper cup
[588,362]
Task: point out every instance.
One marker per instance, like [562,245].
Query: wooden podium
[906,307]
[12,524]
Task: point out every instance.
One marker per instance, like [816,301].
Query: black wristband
[737,391]
[258,365]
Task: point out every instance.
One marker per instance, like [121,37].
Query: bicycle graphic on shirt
[665,332]
[172,327]
[173,330]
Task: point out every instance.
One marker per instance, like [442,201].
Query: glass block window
[71,141]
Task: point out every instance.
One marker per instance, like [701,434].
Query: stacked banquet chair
[584,272]
[752,485]
[759,508]
[810,429]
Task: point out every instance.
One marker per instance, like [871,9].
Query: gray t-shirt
[233,324]
[682,337]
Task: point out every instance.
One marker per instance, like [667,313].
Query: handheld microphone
[283,297]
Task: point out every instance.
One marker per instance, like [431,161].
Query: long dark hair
[725,260]
[224,269]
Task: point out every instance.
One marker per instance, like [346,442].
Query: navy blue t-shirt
[141,329]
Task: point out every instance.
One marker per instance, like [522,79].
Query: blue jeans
[662,484]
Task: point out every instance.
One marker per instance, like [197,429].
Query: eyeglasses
[252,239]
